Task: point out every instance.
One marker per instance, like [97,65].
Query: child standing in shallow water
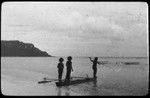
[69,68]
[94,67]
[60,67]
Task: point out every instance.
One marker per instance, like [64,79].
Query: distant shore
[15,48]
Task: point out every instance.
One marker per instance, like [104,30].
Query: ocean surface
[118,76]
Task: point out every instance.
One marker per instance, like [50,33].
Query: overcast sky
[79,28]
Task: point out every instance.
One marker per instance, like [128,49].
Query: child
[94,67]
[60,67]
[69,68]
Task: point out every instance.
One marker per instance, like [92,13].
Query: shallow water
[19,76]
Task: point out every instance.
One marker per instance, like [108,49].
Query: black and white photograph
[51,48]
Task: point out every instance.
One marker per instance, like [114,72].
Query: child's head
[61,60]
[69,58]
[96,58]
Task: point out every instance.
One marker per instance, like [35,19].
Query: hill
[17,48]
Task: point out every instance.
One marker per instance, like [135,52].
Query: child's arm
[90,59]
[71,67]
[98,62]
[58,65]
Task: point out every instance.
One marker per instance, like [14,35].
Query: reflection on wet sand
[59,93]
[95,83]
[66,89]
[67,93]
[94,88]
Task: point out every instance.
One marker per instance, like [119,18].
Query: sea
[116,77]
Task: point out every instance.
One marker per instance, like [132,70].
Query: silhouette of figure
[60,67]
[69,68]
[94,67]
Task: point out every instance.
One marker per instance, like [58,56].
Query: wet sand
[20,76]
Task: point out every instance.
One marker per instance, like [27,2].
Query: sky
[78,28]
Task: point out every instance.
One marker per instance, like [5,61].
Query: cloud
[77,25]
